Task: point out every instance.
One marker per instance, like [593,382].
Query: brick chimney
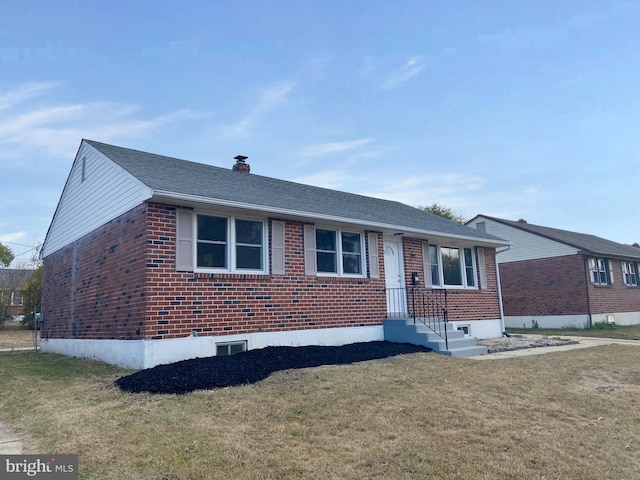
[241,165]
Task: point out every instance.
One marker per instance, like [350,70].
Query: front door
[396,298]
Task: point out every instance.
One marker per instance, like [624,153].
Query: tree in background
[31,293]
[445,212]
[6,257]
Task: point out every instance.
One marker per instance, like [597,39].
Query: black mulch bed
[253,366]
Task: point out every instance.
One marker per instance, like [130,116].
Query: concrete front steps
[405,331]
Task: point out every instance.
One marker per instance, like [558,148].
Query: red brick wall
[546,286]
[218,304]
[463,304]
[120,282]
[616,297]
[95,287]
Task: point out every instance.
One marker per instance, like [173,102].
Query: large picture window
[451,266]
[229,244]
[338,253]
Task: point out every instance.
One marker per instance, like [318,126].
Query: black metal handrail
[428,307]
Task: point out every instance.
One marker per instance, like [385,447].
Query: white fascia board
[190,199]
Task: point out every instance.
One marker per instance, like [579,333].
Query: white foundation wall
[547,321]
[124,353]
[482,328]
[619,318]
[140,354]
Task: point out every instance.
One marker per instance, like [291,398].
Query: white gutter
[500,289]
[164,195]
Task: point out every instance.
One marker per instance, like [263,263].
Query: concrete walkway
[9,444]
[583,342]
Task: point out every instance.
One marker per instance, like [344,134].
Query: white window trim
[339,258]
[231,246]
[463,271]
[625,273]
[607,271]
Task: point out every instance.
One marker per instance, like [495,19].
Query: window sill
[232,275]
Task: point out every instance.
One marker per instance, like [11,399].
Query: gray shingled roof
[589,243]
[180,177]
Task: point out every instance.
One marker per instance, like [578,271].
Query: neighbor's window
[340,257]
[452,266]
[630,273]
[16,298]
[227,243]
[599,268]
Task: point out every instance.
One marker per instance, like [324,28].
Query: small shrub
[604,326]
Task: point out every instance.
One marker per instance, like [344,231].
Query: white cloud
[452,189]
[323,149]
[12,237]
[328,179]
[270,99]
[23,92]
[57,129]
[409,70]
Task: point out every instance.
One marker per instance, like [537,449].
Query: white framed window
[630,273]
[216,243]
[466,329]
[16,298]
[599,271]
[230,348]
[451,266]
[230,244]
[334,252]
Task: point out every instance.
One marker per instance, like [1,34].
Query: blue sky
[517,109]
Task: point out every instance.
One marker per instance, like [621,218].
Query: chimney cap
[522,220]
[241,165]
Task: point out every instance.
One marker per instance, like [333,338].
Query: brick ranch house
[151,259]
[555,278]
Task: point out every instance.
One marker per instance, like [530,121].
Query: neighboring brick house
[11,282]
[554,278]
[151,259]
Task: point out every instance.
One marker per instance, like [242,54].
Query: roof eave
[188,200]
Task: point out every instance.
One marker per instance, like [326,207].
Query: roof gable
[96,191]
[587,243]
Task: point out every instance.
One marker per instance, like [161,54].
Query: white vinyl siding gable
[105,193]
[524,245]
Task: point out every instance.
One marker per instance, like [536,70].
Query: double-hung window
[630,273]
[599,270]
[451,266]
[338,253]
[230,244]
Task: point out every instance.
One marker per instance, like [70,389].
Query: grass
[414,416]
[605,330]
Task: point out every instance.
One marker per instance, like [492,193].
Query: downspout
[585,264]
[503,328]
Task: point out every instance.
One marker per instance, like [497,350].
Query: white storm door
[396,296]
